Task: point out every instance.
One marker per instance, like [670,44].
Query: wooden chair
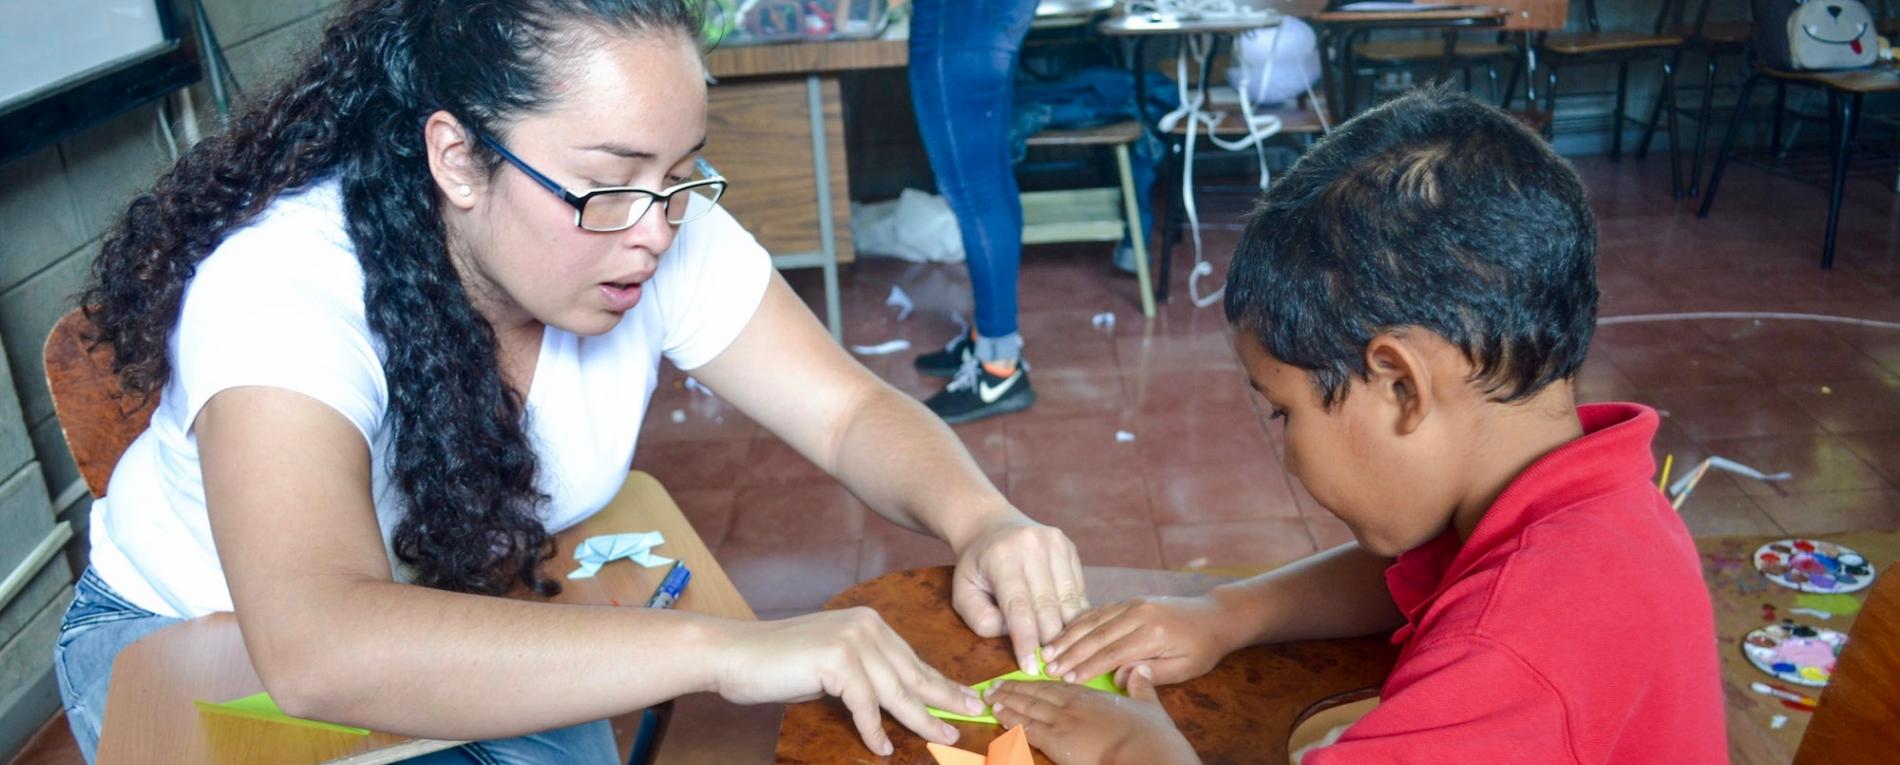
[1859,714]
[1845,90]
[99,422]
[1713,39]
[1093,215]
[1593,46]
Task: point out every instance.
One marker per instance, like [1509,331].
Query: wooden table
[149,712]
[775,128]
[1242,712]
[1738,596]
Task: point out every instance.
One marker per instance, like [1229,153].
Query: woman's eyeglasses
[619,208]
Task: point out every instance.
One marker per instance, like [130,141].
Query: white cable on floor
[1701,315]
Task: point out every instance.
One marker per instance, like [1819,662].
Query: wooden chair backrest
[1859,714]
[98,422]
[1533,15]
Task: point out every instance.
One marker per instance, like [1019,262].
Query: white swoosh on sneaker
[990,395]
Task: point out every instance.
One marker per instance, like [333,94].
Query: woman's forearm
[912,469]
[423,662]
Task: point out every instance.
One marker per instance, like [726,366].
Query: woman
[403,320]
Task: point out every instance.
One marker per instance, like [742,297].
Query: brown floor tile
[1234,543]
[1834,512]
[1650,367]
[1175,353]
[1129,547]
[1709,515]
[1731,411]
[1159,392]
[1083,500]
[1064,392]
[1197,494]
[1059,445]
[1228,439]
[1819,462]
[772,575]
[801,513]
[1850,407]
[709,510]
[693,464]
[1881,450]
[1794,352]
[1600,380]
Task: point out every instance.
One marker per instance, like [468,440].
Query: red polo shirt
[1572,627]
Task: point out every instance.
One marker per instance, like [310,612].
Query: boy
[1413,299]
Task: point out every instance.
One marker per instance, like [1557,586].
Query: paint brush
[1669,460]
[1784,694]
[1689,485]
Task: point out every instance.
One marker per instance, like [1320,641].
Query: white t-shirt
[280,304]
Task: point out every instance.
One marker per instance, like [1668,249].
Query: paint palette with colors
[1794,652]
[1810,565]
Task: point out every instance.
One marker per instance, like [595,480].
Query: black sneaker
[946,362]
[975,393]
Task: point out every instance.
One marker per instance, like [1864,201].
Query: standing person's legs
[962,72]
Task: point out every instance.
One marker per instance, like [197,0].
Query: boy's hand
[1177,637]
[1075,725]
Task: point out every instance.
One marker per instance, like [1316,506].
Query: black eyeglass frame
[712,180]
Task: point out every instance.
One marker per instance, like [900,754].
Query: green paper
[261,707]
[1837,603]
[1104,682]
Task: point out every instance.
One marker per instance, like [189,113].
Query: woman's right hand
[851,654]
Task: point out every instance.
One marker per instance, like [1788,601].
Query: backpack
[1814,34]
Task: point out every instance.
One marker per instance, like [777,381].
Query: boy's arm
[1337,593]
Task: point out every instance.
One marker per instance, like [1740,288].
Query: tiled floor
[1201,484]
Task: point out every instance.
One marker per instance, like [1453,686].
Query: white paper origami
[594,552]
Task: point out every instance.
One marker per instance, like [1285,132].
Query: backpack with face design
[1814,34]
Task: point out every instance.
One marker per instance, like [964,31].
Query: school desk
[775,128]
[1727,566]
[1242,711]
[149,712]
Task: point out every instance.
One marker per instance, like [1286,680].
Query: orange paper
[1011,748]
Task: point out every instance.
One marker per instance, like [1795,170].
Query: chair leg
[1138,238]
[1728,147]
[1550,101]
[1616,116]
[1510,85]
[1702,124]
[1675,134]
[1171,229]
[1843,151]
[1667,94]
[1781,106]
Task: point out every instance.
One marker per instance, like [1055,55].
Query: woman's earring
[464,190]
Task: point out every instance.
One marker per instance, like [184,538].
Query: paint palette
[1811,565]
[1796,653]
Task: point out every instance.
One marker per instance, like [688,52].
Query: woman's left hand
[1020,577]
[1077,725]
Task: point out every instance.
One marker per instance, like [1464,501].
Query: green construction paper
[1837,603]
[261,707]
[1104,682]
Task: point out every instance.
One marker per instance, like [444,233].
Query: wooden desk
[775,127]
[1243,711]
[1728,568]
[149,712]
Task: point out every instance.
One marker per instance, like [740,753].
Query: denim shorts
[100,623]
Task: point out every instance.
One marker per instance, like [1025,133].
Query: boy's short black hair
[1432,211]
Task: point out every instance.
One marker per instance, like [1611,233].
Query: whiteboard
[46,44]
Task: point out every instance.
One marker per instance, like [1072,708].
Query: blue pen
[671,587]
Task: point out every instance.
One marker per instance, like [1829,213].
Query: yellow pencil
[1694,478]
[1663,483]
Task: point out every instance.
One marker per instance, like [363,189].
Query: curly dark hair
[353,111]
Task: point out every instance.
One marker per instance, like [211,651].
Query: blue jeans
[100,623]
[962,77]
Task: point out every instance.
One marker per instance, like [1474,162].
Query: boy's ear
[1398,377]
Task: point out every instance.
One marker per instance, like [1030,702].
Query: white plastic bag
[917,226]
[1298,53]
